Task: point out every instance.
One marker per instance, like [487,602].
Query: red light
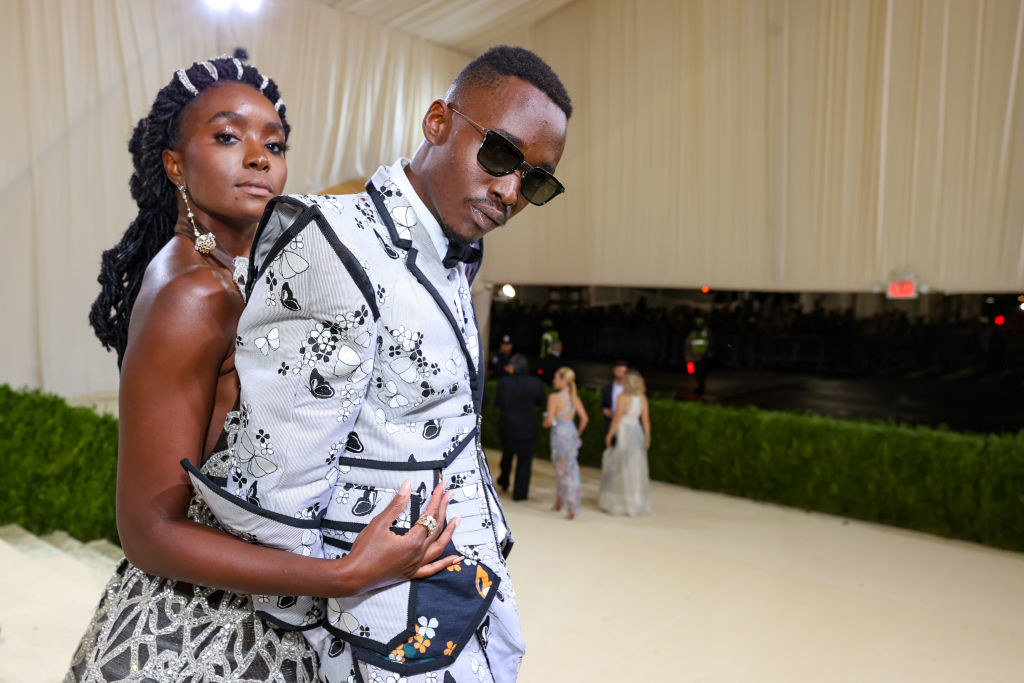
[902,289]
[999,320]
[540,372]
[705,289]
[689,367]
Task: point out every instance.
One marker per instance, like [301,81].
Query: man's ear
[437,123]
[173,166]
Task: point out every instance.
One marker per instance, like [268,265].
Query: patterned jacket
[357,373]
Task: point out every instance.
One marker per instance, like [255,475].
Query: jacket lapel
[421,258]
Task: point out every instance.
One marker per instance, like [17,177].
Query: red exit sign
[902,289]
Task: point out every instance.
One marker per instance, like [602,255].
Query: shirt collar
[426,218]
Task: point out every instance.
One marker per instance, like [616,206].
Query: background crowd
[774,332]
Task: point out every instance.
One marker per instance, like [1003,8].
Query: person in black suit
[551,362]
[610,393]
[500,360]
[518,395]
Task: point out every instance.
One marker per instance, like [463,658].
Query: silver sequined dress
[147,628]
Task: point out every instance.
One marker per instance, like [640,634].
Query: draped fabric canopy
[469,26]
[802,145]
[80,73]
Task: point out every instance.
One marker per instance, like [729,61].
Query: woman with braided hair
[207,158]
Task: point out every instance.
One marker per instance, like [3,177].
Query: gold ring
[428,522]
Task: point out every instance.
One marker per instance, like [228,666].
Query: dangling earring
[205,242]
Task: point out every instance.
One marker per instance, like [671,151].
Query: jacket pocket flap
[444,610]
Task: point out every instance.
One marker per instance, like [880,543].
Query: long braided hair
[124,264]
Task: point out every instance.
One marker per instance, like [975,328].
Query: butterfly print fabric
[358,362]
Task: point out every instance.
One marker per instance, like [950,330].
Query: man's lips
[258,188]
[490,215]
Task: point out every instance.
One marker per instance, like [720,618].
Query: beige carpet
[708,588]
[713,588]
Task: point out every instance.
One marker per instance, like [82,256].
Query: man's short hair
[620,363]
[519,364]
[505,60]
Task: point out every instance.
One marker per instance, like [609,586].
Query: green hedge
[968,486]
[59,465]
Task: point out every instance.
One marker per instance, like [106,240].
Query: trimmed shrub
[968,486]
[60,465]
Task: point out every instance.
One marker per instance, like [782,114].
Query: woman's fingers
[437,509]
[434,567]
[441,542]
[389,514]
[442,510]
[435,501]
[438,504]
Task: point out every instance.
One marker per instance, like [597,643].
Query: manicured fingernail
[459,559]
[406,486]
[455,522]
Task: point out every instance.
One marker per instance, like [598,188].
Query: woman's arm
[180,333]
[620,410]
[645,419]
[552,409]
[581,412]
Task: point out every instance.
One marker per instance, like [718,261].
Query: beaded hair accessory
[206,242]
[187,84]
[183,79]
[211,68]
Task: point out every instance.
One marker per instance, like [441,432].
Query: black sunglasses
[499,157]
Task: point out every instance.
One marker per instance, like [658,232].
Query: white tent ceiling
[782,144]
[468,26]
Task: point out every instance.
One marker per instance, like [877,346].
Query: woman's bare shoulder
[184,289]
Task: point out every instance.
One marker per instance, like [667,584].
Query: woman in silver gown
[625,483]
[564,406]
[207,158]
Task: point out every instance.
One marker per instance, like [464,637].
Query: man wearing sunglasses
[490,148]
[372,395]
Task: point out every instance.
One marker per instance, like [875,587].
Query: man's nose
[507,188]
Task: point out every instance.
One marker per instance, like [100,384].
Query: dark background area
[941,360]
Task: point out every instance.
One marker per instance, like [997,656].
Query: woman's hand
[608,440]
[380,557]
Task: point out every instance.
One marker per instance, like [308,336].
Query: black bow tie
[460,252]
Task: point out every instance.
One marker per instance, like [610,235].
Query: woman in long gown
[207,158]
[563,405]
[625,482]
